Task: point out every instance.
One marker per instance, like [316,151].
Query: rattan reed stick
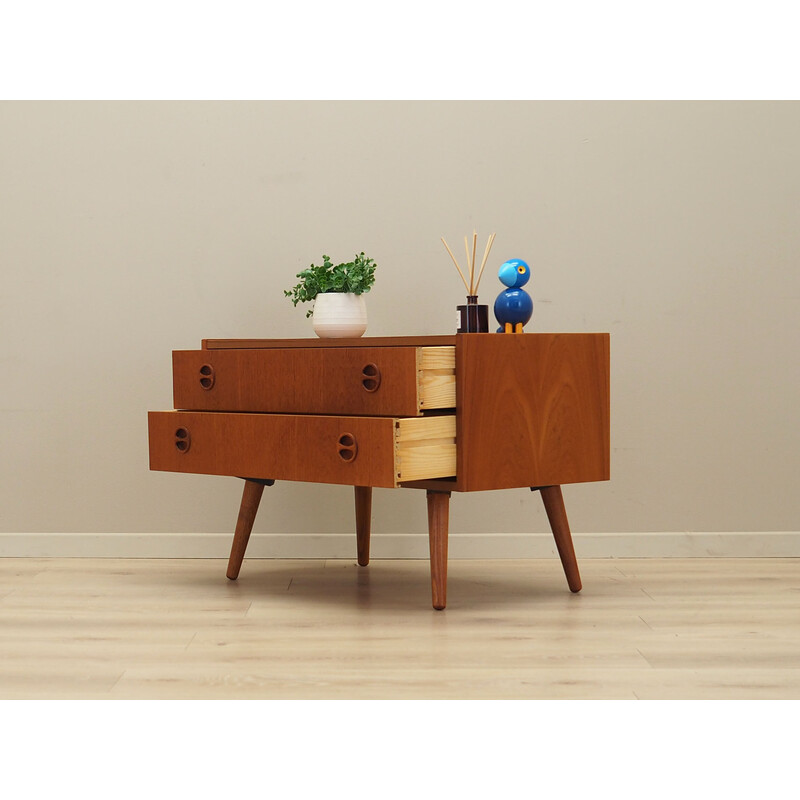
[485,256]
[473,287]
[466,286]
[466,250]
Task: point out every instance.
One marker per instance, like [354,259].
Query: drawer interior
[436,377]
[425,447]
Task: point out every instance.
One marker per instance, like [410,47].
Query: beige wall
[128,230]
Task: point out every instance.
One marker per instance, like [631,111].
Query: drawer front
[378,381]
[358,451]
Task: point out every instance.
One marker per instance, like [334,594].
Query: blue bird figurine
[513,307]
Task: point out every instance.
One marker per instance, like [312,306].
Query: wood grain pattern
[425,447]
[364,341]
[533,409]
[553,500]
[363,501]
[438,523]
[298,381]
[279,446]
[299,447]
[251,497]
[436,377]
[672,628]
[432,358]
[315,380]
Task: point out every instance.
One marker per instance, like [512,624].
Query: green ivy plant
[355,276]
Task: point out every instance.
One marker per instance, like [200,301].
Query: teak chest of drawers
[445,414]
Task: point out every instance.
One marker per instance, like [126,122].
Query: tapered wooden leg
[251,497]
[438,519]
[557,515]
[363,519]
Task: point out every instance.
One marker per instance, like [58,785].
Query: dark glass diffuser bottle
[473,318]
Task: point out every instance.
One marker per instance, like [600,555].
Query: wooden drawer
[358,451]
[370,381]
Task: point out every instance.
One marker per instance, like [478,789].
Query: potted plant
[337,291]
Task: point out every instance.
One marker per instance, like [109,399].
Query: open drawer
[370,381]
[358,451]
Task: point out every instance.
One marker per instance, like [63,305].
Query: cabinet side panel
[534,409]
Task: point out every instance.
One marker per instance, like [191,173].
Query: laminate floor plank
[325,629]
[457,684]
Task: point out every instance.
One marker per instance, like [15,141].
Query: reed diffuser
[472,318]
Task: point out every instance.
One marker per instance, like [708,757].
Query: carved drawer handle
[207,376]
[183,440]
[347,447]
[371,377]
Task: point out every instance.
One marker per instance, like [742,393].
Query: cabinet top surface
[364,341]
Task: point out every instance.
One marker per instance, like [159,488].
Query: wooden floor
[641,628]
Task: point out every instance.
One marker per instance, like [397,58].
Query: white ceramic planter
[340,315]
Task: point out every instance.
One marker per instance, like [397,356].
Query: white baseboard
[752,544]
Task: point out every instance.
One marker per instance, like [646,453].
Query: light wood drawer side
[436,377]
[425,447]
